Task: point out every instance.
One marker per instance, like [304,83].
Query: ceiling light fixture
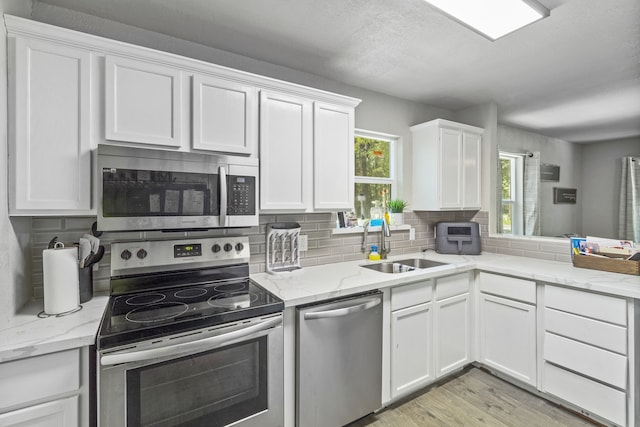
[492,18]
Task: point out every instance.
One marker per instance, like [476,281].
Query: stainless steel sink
[389,267]
[404,265]
[420,263]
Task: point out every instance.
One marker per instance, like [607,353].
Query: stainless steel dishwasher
[339,360]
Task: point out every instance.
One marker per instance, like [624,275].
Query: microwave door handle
[223,196]
[187,347]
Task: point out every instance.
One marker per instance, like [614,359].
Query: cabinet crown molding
[17,26]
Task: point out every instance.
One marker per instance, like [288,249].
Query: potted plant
[396,208]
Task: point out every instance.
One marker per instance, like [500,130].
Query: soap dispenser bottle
[374,255]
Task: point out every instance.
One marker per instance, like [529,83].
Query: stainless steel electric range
[188,339]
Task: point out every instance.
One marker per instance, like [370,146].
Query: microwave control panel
[241,192]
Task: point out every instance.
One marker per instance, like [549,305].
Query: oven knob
[126,254]
[228,247]
[215,248]
[142,254]
[239,247]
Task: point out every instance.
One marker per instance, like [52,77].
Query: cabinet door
[58,413]
[50,155]
[411,348]
[225,115]
[453,338]
[333,157]
[142,102]
[285,152]
[471,176]
[450,169]
[507,340]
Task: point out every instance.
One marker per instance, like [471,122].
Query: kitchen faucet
[385,231]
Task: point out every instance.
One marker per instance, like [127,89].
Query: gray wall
[555,219]
[14,276]
[601,182]
[377,112]
[24,238]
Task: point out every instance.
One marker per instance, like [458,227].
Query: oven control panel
[126,257]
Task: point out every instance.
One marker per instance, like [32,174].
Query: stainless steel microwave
[144,189]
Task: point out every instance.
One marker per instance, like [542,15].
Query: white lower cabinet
[507,337]
[507,326]
[585,356]
[452,312]
[50,390]
[411,337]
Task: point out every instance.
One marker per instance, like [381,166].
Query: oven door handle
[176,349]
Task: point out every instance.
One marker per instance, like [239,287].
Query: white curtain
[629,215]
[531,202]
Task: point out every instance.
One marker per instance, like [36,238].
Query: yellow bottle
[374,255]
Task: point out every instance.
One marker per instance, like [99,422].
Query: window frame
[393,155]
[516,201]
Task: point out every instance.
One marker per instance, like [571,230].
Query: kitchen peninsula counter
[316,283]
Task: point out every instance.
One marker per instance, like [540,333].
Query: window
[375,178]
[512,172]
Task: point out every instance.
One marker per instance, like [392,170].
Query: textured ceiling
[574,75]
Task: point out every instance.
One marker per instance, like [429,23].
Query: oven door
[232,374]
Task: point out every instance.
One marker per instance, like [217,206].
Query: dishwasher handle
[343,311]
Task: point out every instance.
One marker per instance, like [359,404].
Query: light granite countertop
[322,282]
[27,335]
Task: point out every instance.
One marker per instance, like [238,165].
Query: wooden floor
[473,398]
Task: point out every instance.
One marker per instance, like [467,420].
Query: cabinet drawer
[590,331]
[585,393]
[596,306]
[450,286]
[602,365]
[413,294]
[508,287]
[58,413]
[39,377]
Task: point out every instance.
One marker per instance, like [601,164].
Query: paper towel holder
[54,246]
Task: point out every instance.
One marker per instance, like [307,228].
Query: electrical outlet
[412,233]
[302,242]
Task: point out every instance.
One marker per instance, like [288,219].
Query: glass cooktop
[138,316]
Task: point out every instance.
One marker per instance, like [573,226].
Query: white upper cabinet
[286,132]
[333,157]
[142,102]
[71,91]
[306,154]
[225,115]
[49,147]
[446,166]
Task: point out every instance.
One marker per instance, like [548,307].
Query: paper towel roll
[60,271]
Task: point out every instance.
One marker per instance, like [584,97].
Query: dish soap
[374,255]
